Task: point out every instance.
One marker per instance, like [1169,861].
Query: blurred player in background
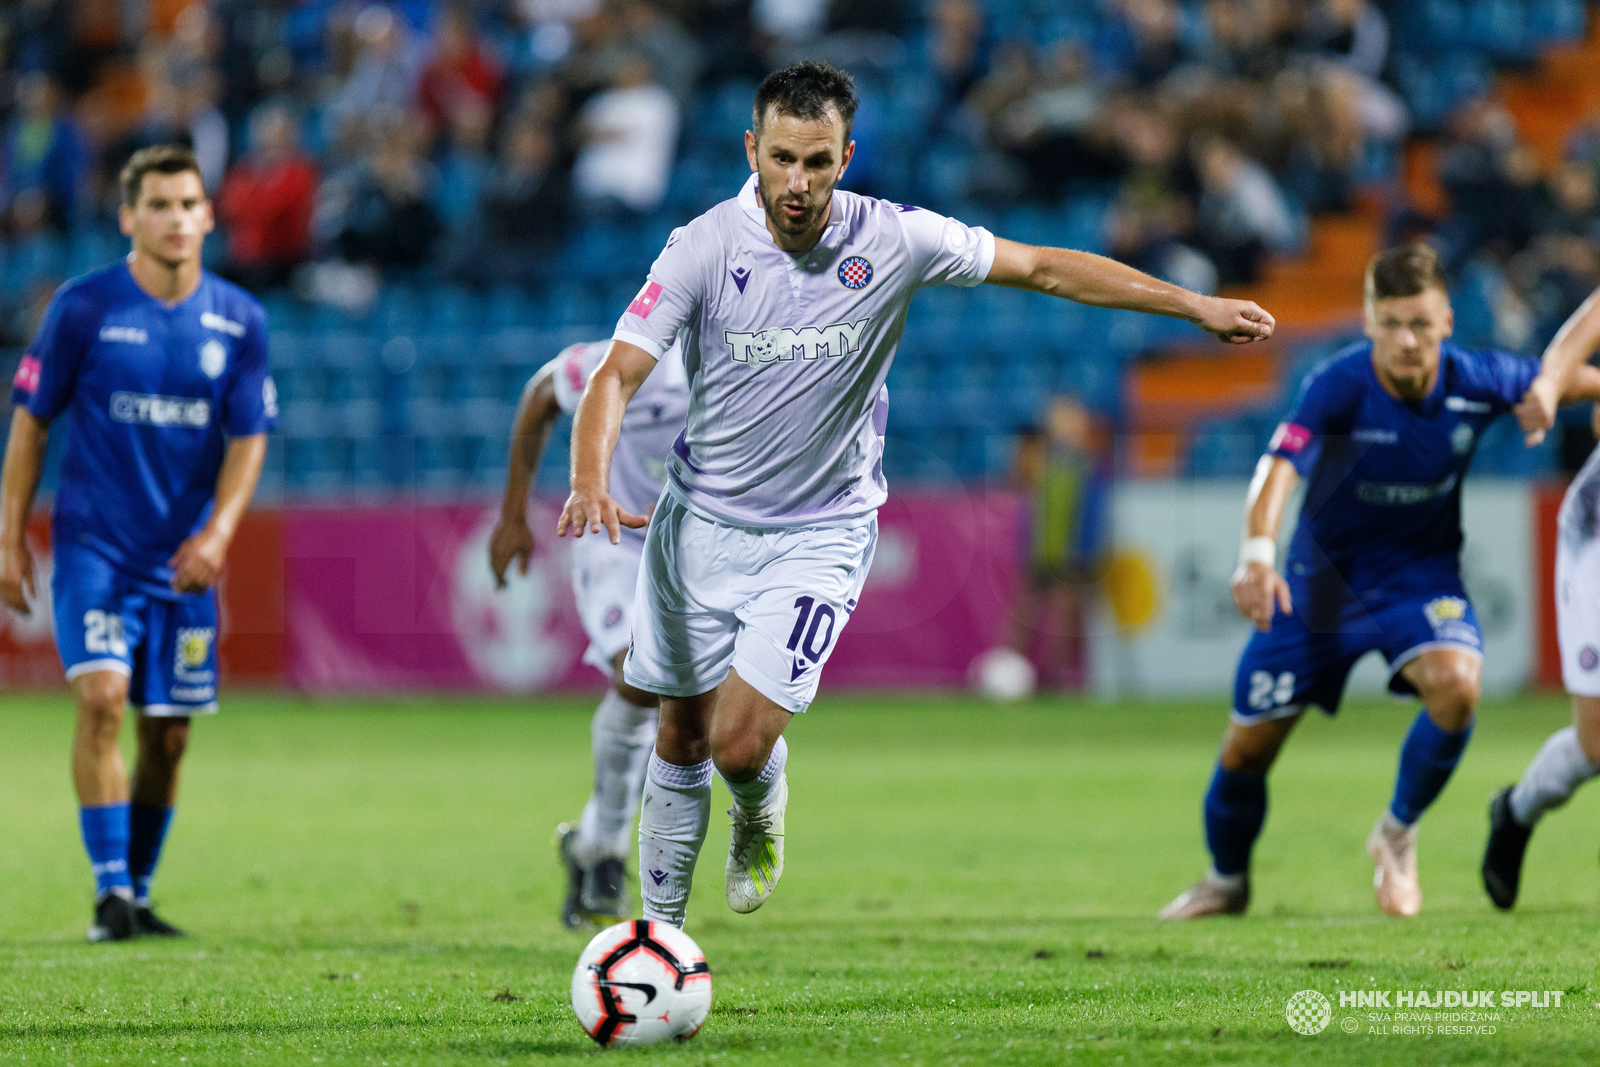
[1572,755]
[1068,495]
[1384,432]
[603,579]
[791,297]
[162,371]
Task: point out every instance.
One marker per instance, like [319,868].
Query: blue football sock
[105,836]
[147,828]
[1427,759]
[1236,806]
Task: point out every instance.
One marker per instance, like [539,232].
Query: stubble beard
[773,206]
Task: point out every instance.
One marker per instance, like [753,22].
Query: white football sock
[672,827]
[623,736]
[1551,779]
[752,794]
[1225,881]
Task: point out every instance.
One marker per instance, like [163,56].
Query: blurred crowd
[349,142]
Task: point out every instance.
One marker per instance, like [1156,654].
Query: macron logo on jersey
[145,410]
[130,335]
[213,321]
[781,343]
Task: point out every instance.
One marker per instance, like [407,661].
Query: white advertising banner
[1185,536]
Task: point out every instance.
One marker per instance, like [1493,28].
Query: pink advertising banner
[396,598]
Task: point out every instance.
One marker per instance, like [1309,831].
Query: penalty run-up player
[1383,433]
[790,299]
[161,371]
[604,576]
[1571,755]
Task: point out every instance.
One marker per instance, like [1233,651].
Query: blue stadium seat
[1498,27]
[1556,21]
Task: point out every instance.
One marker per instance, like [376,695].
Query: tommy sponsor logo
[27,376]
[1461,403]
[212,321]
[145,410]
[1289,437]
[130,335]
[1401,494]
[646,301]
[783,343]
[741,275]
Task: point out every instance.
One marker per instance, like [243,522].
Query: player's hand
[511,540]
[588,510]
[1536,412]
[197,564]
[1257,591]
[16,577]
[1238,322]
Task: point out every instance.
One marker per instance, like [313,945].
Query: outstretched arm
[1102,282]
[536,416]
[1571,347]
[24,464]
[198,562]
[1257,586]
[594,436]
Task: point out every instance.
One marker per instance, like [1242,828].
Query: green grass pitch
[372,883]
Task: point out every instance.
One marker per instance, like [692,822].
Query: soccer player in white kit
[603,579]
[790,300]
[1571,756]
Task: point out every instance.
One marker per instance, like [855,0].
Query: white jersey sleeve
[671,295]
[947,251]
[573,368]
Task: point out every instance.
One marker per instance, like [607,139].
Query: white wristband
[1258,550]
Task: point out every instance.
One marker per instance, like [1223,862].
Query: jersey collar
[832,234]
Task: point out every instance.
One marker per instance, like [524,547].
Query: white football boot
[1394,875]
[755,852]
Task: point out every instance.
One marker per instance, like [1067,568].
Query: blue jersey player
[161,372]
[1383,434]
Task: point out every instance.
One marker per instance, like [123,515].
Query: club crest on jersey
[782,343]
[213,358]
[1461,439]
[855,273]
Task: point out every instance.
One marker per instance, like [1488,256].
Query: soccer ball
[1003,674]
[641,982]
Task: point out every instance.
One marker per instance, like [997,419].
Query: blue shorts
[107,621]
[1305,660]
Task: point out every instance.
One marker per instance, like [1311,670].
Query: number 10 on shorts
[812,641]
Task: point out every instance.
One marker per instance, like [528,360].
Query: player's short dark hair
[1405,270]
[159,158]
[805,90]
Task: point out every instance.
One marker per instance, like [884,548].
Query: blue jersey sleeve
[251,403]
[1497,378]
[49,369]
[1320,411]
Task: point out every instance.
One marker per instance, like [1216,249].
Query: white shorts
[768,603]
[603,579]
[1578,614]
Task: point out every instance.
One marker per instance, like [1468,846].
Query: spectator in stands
[957,55]
[1054,127]
[383,81]
[1353,32]
[1141,41]
[522,214]
[1492,179]
[1061,470]
[629,135]
[1154,207]
[385,208]
[1242,215]
[45,163]
[674,55]
[265,204]
[461,80]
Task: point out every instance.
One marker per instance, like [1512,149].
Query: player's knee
[101,698]
[164,739]
[1249,749]
[739,754]
[1451,691]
